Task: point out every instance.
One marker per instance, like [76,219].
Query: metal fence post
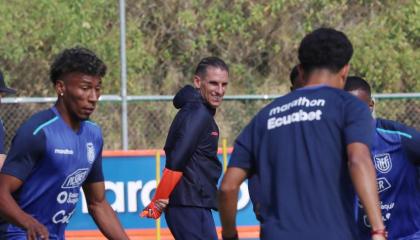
[124,118]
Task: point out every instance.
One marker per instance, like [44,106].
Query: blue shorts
[191,223]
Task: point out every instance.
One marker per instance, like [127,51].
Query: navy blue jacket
[191,147]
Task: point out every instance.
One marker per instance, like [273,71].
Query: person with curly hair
[310,152]
[54,153]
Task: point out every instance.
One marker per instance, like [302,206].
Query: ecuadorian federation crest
[383,162]
[90,152]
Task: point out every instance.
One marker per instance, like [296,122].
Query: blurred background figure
[4,90]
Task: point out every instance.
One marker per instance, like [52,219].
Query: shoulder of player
[92,128]
[196,111]
[389,124]
[37,122]
[393,127]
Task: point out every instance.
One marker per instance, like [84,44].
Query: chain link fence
[149,120]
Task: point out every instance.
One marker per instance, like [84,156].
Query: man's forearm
[228,199]
[364,179]
[11,211]
[2,158]
[107,221]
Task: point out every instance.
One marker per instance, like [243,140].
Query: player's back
[301,162]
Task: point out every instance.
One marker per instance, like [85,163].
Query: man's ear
[197,81]
[371,105]
[60,88]
[344,72]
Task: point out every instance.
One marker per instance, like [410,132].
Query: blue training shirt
[53,161]
[296,146]
[395,153]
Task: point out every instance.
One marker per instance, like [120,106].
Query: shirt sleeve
[410,139]
[358,122]
[27,148]
[242,156]
[2,136]
[187,138]
[96,172]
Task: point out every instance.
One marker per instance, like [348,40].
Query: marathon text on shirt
[300,102]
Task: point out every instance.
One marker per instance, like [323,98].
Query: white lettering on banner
[118,189]
[133,187]
[147,190]
[244,199]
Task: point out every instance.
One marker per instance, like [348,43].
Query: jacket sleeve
[187,137]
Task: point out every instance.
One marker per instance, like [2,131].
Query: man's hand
[155,208]
[35,230]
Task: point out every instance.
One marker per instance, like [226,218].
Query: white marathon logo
[76,178]
[383,162]
[298,116]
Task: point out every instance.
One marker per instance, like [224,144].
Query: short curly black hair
[77,59]
[325,48]
[357,83]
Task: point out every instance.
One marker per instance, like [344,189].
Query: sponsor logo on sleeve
[383,162]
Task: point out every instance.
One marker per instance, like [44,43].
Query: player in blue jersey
[396,156]
[310,150]
[3,91]
[56,152]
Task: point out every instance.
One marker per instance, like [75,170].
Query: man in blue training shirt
[396,156]
[3,90]
[56,152]
[253,183]
[308,149]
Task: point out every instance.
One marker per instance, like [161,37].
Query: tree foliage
[166,38]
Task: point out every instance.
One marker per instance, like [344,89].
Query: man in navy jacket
[192,168]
